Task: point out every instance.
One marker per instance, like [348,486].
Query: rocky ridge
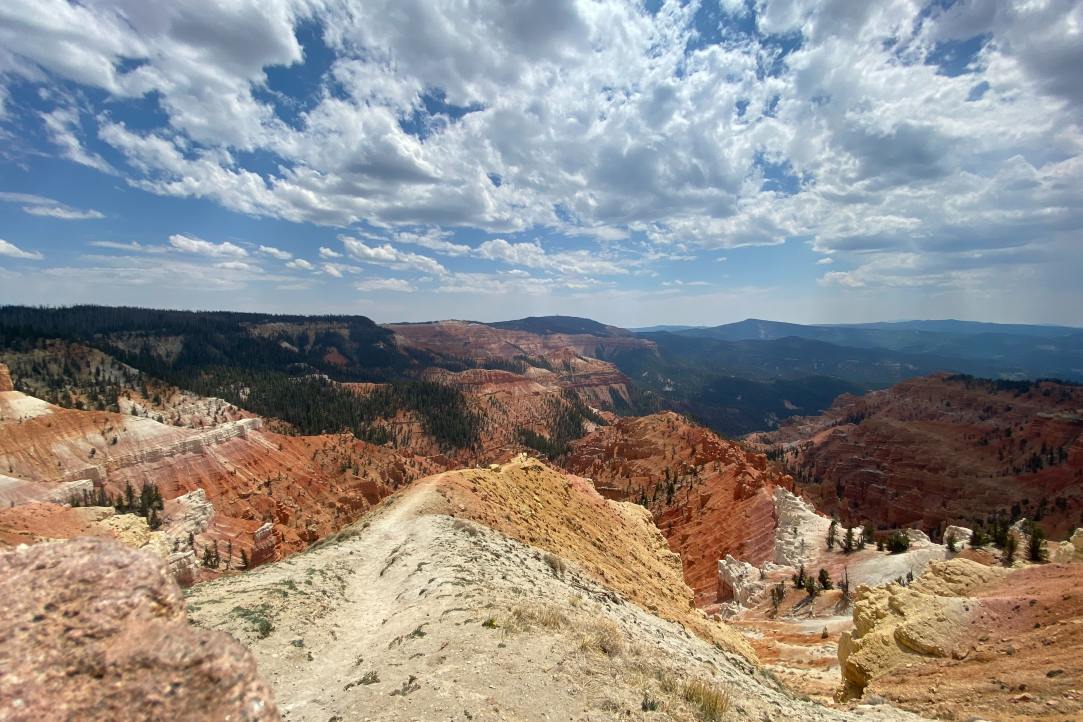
[418,614]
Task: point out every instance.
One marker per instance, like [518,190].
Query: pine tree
[831,532]
[848,541]
[810,587]
[825,580]
[950,540]
[1036,546]
[1010,547]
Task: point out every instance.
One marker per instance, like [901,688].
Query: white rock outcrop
[744,582]
[801,531]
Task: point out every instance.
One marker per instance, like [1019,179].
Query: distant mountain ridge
[998,350]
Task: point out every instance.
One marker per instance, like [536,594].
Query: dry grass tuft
[604,637]
[556,565]
[711,701]
[525,617]
[464,526]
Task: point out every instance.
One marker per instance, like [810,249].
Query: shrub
[950,541]
[898,542]
[556,565]
[825,580]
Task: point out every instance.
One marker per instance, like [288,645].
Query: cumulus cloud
[12,251]
[388,255]
[239,266]
[300,264]
[275,253]
[191,244]
[435,240]
[871,130]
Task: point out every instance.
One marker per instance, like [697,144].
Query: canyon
[647,564]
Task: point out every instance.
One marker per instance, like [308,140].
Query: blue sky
[639,163]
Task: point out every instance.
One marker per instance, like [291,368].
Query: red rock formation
[94,630]
[479,341]
[304,487]
[575,359]
[710,497]
[5,379]
[939,450]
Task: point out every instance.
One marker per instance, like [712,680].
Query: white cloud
[385,284]
[41,206]
[388,255]
[825,261]
[61,125]
[434,240]
[239,266]
[191,244]
[532,255]
[678,283]
[12,251]
[861,139]
[131,246]
[275,253]
[300,264]
[332,270]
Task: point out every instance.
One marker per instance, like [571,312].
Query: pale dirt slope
[415,615]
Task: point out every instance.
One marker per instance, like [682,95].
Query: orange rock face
[5,379]
[939,450]
[304,488]
[710,497]
[479,341]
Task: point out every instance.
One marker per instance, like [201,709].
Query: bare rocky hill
[942,450]
[417,614]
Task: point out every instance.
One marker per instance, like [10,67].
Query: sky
[635,162]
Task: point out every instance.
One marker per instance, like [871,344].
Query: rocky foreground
[488,595]
[93,629]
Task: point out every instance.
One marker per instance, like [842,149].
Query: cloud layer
[935,147]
